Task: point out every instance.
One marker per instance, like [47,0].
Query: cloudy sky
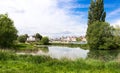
[55,18]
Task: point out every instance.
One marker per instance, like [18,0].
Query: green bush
[38,37]
[44,41]
[22,38]
[101,36]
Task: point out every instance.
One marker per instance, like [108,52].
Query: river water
[59,52]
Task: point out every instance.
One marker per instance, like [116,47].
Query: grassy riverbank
[34,47]
[12,63]
[30,47]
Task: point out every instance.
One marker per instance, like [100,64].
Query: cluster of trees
[38,39]
[100,35]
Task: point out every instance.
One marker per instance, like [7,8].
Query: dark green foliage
[22,38]
[8,33]
[38,37]
[44,41]
[96,13]
[26,35]
[101,36]
[103,55]
[99,14]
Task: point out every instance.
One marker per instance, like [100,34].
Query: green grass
[23,46]
[12,63]
[29,47]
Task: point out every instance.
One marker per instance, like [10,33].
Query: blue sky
[76,7]
[55,18]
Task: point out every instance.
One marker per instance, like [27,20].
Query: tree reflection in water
[44,49]
[104,55]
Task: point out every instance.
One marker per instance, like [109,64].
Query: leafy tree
[38,37]
[117,36]
[101,36]
[26,35]
[45,41]
[96,13]
[22,38]
[8,33]
[99,33]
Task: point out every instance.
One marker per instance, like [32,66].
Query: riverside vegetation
[10,62]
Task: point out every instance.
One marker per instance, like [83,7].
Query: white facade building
[31,39]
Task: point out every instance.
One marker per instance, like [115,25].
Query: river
[59,52]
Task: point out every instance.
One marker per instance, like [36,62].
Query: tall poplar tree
[96,13]
[99,35]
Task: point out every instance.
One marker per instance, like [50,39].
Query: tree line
[39,39]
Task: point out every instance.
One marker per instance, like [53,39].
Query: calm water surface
[60,52]
[76,53]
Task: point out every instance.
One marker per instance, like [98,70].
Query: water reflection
[60,52]
[104,55]
[67,52]
[75,53]
[44,49]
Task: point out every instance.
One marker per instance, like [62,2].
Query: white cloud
[43,16]
[113,13]
[116,22]
[112,17]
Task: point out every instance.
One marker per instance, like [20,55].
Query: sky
[55,18]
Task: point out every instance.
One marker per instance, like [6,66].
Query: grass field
[12,63]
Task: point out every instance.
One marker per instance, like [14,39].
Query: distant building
[31,39]
[84,39]
[71,39]
[64,39]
